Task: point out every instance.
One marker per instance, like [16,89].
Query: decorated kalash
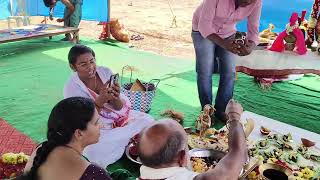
[12,164]
[299,34]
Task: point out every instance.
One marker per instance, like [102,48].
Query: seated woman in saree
[73,124]
[120,122]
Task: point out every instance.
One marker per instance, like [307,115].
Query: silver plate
[202,153]
[130,157]
[214,154]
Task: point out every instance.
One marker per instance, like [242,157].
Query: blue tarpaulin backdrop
[95,10]
[277,12]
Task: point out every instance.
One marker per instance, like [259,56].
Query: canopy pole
[11,7]
[109,19]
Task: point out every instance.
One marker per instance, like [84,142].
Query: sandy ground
[151,19]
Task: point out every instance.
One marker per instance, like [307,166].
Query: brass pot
[290,46]
[275,168]
[290,38]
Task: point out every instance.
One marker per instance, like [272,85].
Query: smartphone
[113,79]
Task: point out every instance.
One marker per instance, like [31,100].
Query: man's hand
[60,20]
[245,49]
[234,110]
[231,45]
[229,167]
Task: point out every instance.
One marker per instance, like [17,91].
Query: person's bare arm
[216,39]
[51,13]
[70,8]
[117,104]
[246,49]
[29,164]
[230,166]
[228,44]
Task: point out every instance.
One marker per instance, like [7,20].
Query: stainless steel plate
[202,153]
[205,153]
[130,157]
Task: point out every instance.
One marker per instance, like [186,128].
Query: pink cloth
[120,118]
[221,16]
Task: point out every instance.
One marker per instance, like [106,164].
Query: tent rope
[174,19]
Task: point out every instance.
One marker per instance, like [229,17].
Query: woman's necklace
[78,152]
[87,83]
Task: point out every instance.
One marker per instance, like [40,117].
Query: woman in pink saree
[120,122]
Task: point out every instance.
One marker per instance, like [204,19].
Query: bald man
[163,150]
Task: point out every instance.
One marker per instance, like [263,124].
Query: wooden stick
[109,18]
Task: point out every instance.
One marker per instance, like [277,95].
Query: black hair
[65,118]
[167,153]
[48,3]
[78,50]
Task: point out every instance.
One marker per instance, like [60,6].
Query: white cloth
[269,60]
[171,173]
[112,142]
[278,127]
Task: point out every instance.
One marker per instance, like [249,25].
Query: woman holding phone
[120,122]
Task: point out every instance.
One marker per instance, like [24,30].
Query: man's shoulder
[184,174]
[170,173]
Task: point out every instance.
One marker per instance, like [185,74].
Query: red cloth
[105,34]
[17,142]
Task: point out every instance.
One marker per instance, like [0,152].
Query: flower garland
[290,29]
